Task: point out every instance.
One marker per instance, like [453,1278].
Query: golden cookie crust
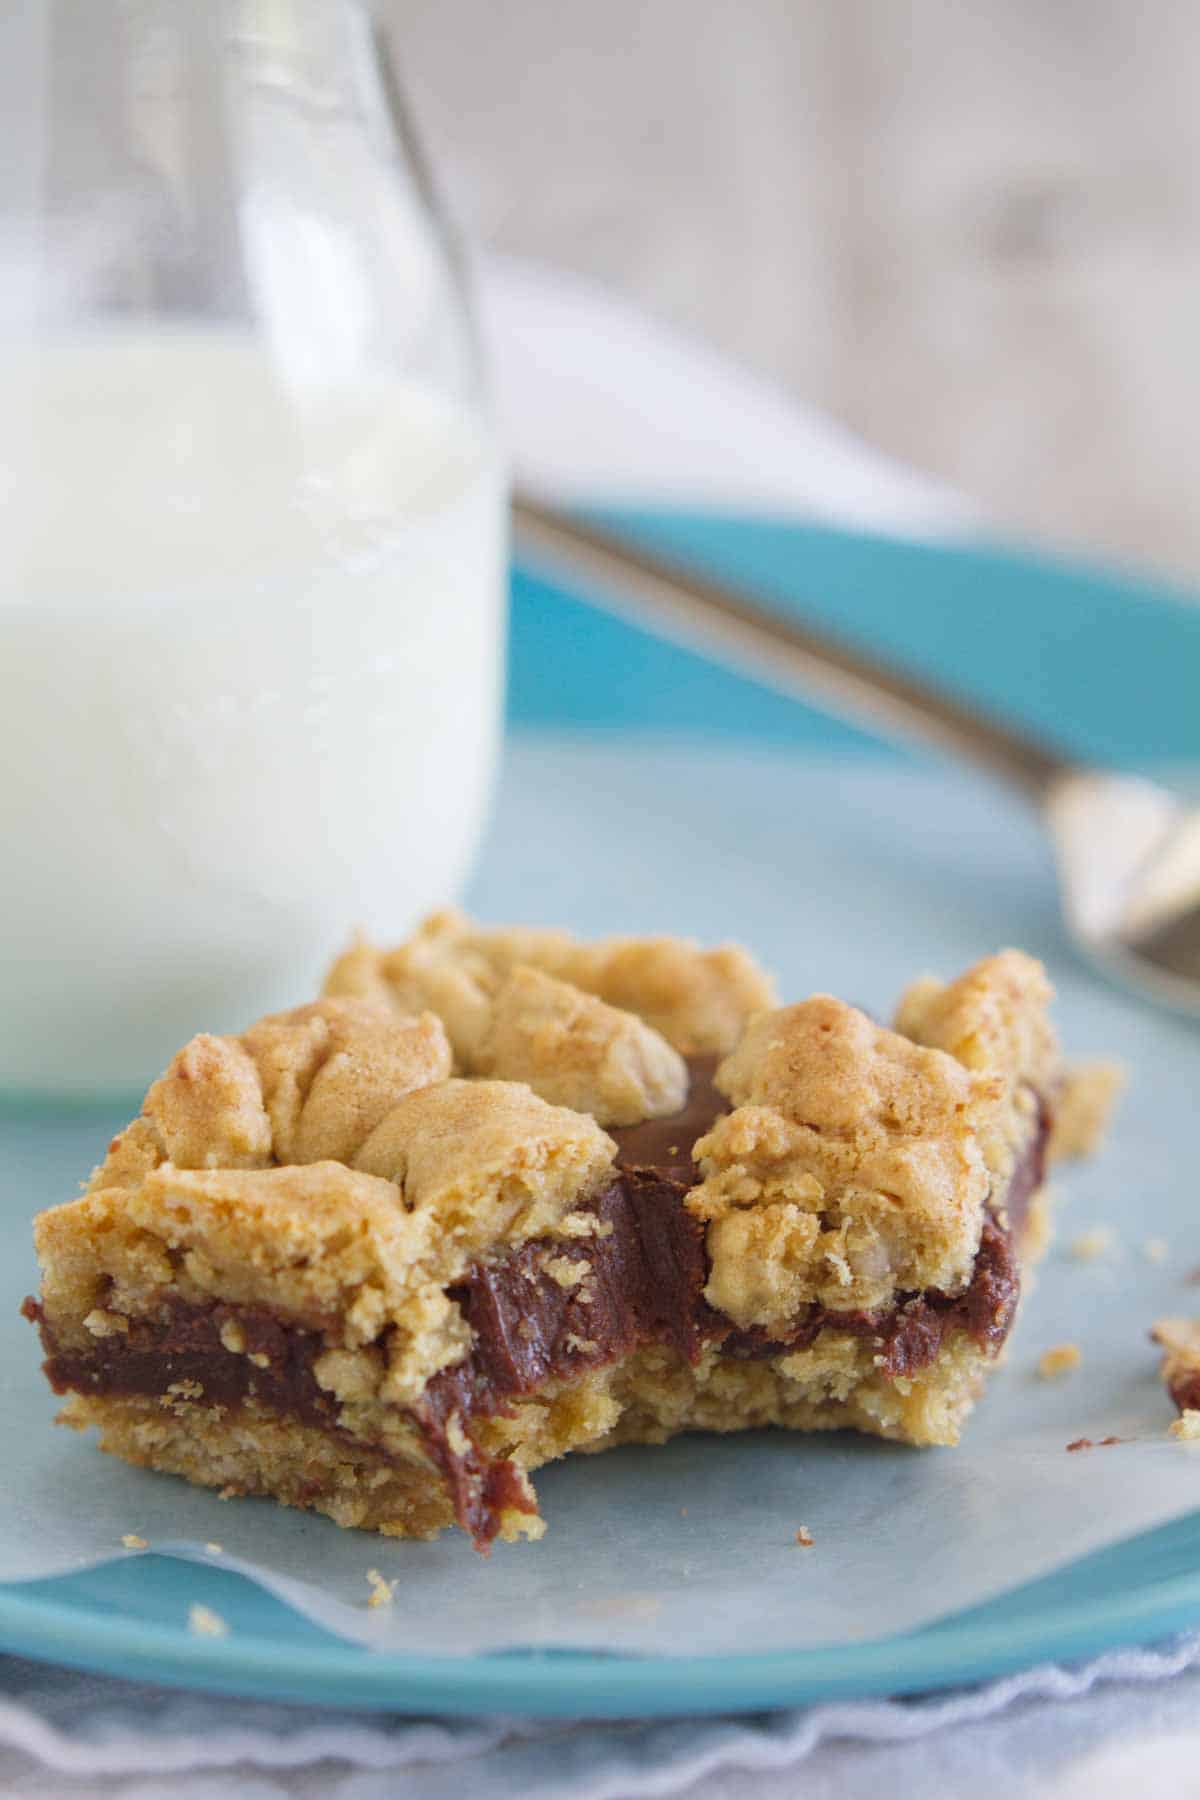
[995,1021]
[577,1051]
[302,1086]
[698,1000]
[850,1170]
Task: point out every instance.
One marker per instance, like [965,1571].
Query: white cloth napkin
[598,402]
[62,1733]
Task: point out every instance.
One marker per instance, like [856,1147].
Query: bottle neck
[230,163]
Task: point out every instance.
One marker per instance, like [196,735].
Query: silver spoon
[1127,850]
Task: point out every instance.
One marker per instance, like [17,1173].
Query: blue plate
[1106,666]
[124,1619]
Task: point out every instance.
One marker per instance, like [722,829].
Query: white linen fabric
[64,1733]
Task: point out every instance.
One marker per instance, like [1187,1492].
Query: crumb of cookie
[106,1324]
[1187,1425]
[1180,1366]
[184,1390]
[1181,1337]
[457,1440]
[1155,1250]
[1086,1443]
[566,1270]
[382,1592]
[1039,1228]
[228,1492]
[132,1541]
[1083,1108]
[1059,1360]
[804,1538]
[683,1512]
[215,1549]
[1089,1246]
[204,1622]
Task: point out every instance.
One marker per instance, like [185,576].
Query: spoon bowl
[1128,857]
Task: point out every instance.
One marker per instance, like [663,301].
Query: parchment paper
[850,878]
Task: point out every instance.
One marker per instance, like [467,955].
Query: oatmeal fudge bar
[499,1195]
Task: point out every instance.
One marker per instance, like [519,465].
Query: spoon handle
[678,603]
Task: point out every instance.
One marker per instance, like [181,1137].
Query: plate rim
[586,1685]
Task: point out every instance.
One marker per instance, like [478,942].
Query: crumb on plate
[382,1592]
[1058,1360]
[1089,1246]
[1086,1102]
[204,1622]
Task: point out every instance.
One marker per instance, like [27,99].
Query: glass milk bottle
[252,542]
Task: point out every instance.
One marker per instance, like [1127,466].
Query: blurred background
[969,229]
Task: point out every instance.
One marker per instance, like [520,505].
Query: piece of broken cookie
[500,1195]
[1180,1366]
